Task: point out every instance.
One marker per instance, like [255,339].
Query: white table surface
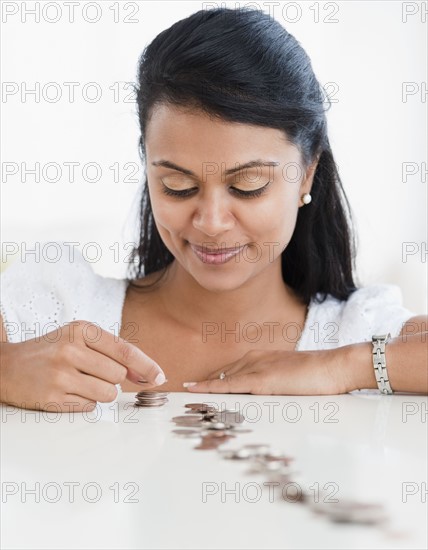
[369,445]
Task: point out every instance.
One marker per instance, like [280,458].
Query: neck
[257,300]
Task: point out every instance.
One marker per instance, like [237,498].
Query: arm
[3,335]
[406,359]
[326,372]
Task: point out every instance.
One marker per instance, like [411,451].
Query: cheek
[169,216]
[275,217]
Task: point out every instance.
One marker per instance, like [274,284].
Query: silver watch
[379,362]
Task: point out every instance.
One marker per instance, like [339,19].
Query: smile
[218,256]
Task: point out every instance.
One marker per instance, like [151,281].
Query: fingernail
[160,379]
[189,384]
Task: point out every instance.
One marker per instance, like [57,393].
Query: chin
[217,284]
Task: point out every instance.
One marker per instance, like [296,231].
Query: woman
[243,277]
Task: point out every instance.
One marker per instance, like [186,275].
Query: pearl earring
[306,198]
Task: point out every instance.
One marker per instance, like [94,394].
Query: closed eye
[239,192]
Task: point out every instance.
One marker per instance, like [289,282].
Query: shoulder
[372,309]
[55,285]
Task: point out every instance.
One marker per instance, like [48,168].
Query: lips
[217,256]
[218,250]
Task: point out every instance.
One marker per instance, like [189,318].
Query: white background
[368,53]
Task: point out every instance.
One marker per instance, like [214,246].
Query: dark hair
[243,66]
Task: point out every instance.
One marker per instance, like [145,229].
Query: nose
[213,216]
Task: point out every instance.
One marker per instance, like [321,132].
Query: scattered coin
[349,511]
[216,433]
[216,427]
[280,466]
[236,454]
[188,418]
[230,417]
[213,441]
[188,433]
[206,446]
[200,407]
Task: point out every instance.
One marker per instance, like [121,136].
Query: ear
[306,184]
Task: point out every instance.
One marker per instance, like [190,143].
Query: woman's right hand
[71,368]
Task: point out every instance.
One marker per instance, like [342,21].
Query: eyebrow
[250,164]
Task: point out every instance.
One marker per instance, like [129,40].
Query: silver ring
[222,375]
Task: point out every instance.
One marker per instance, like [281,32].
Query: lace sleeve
[39,294]
[374,309]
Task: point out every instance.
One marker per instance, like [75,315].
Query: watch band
[379,362]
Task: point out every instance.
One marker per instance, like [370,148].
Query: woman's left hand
[321,372]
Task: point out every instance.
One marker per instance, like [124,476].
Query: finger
[241,367]
[144,385]
[101,366]
[230,368]
[139,364]
[93,388]
[133,376]
[245,383]
[76,403]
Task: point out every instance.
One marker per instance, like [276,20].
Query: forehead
[192,136]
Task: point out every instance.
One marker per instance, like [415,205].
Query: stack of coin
[151,398]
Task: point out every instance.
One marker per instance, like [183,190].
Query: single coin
[236,454]
[216,425]
[213,442]
[159,400]
[216,433]
[148,402]
[347,511]
[188,418]
[151,399]
[152,394]
[230,417]
[186,431]
[276,466]
[224,437]
[188,424]
[277,458]
[198,406]
[192,425]
[145,406]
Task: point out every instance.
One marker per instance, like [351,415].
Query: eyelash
[239,192]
